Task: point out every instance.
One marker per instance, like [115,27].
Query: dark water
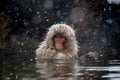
[59,70]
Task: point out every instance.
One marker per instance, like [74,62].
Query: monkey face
[59,41]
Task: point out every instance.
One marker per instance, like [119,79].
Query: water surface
[11,69]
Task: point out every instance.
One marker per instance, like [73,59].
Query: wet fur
[47,50]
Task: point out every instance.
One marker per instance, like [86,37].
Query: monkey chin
[59,47]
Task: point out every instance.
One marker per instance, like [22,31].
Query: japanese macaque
[60,43]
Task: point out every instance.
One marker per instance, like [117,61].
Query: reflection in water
[59,70]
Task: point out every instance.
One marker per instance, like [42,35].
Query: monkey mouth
[58,46]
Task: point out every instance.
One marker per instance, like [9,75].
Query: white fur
[47,51]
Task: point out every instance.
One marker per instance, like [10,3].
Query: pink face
[59,42]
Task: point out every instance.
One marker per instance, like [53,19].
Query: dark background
[24,23]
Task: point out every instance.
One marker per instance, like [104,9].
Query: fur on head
[71,46]
[63,29]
